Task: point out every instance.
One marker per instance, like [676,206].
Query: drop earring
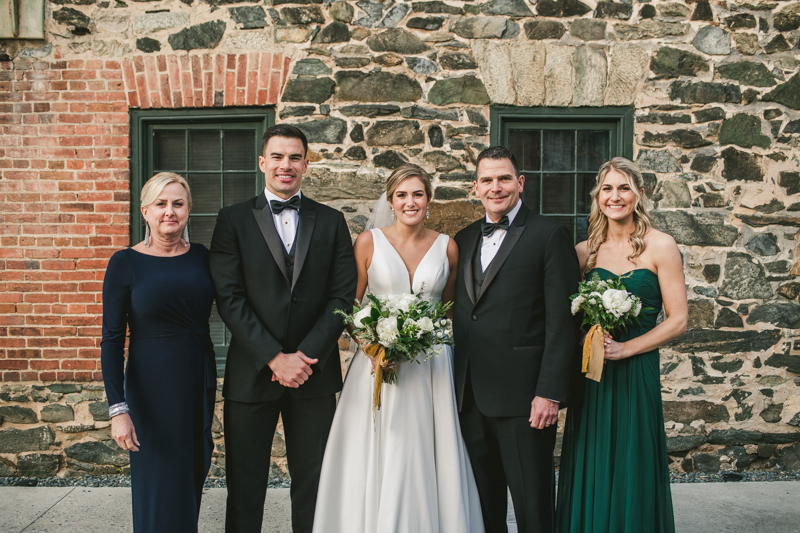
[146,235]
[427,213]
[393,217]
[186,234]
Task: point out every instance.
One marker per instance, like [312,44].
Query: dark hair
[497,152]
[284,130]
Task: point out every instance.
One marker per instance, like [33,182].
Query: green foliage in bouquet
[606,303]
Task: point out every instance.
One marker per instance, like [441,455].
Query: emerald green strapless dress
[614,474]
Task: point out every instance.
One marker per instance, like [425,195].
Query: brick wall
[64,188]
[65,202]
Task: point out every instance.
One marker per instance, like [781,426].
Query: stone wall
[716,92]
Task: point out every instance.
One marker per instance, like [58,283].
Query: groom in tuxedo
[281,265]
[515,345]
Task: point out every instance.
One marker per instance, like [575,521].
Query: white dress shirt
[491,244]
[285,221]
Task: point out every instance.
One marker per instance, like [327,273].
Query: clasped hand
[291,369]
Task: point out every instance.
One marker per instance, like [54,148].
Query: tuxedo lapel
[510,241]
[263,216]
[308,216]
[469,281]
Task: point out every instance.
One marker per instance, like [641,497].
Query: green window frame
[609,128]
[149,125]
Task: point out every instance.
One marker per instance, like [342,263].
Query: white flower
[387,330]
[638,308]
[406,301]
[576,304]
[361,315]
[425,324]
[617,302]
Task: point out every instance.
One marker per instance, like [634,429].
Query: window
[217,153]
[559,151]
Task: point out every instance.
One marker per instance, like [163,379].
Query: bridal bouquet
[606,306]
[398,328]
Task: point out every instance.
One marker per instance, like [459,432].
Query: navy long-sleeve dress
[169,381]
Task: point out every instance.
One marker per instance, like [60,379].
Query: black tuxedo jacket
[265,311]
[518,336]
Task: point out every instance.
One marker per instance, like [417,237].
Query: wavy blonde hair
[598,221]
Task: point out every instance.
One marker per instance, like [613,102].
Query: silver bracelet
[117,409]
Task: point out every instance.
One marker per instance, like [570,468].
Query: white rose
[405,302]
[361,315]
[425,324]
[390,303]
[576,304]
[616,302]
[387,330]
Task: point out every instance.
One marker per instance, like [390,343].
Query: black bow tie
[277,206]
[487,228]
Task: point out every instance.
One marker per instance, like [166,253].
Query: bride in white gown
[408,471]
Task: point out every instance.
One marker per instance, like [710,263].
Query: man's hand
[123,432]
[291,369]
[544,413]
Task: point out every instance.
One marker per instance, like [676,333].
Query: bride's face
[410,202]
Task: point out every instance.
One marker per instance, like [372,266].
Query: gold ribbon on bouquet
[378,353]
[594,353]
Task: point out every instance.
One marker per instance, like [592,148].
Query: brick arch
[166,81]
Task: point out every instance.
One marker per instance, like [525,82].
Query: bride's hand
[388,367]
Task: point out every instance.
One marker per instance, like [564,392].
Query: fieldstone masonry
[715,87]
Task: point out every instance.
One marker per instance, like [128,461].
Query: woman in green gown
[614,474]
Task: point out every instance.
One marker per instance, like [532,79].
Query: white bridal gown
[409,471]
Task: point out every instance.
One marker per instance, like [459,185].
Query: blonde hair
[404,172]
[598,221]
[156,184]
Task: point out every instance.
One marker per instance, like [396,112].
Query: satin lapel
[266,224]
[512,237]
[308,216]
[474,239]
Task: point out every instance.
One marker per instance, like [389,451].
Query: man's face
[283,164]
[497,187]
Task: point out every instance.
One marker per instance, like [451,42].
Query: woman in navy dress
[162,409]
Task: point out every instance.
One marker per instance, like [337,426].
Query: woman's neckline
[625,273]
[189,249]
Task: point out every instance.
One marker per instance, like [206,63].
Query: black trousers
[249,430]
[508,452]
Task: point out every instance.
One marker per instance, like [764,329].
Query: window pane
[239,153]
[525,146]
[205,193]
[569,223]
[583,228]
[585,185]
[201,229]
[592,149]
[557,193]
[238,188]
[216,326]
[170,150]
[530,192]
[558,149]
[204,150]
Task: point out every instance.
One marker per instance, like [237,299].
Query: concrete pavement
[750,507]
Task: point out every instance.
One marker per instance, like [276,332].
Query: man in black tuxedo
[515,345]
[281,265]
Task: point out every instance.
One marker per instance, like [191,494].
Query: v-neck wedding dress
[408,472]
